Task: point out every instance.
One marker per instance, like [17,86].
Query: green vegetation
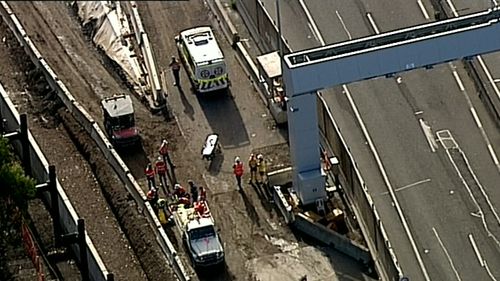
[16,189]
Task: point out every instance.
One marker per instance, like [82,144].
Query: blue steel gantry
[308,71]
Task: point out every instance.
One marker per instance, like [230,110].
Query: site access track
[42,22]
[73,171]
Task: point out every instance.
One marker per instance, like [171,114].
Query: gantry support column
[304,147]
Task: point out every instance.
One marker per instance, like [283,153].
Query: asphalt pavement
[439,208]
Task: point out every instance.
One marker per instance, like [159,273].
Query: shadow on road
[224,118]
[264,197]
[250,208]
[188,108]
[214,166]
[216,273]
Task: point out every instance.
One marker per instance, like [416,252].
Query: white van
[203,59]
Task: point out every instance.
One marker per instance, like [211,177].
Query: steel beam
[308,71]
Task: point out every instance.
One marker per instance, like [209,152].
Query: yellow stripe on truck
[209,83]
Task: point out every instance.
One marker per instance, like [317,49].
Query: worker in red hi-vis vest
[161,170]
[150,176]
[238,171]
[165,152]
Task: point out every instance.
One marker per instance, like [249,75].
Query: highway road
[446,190]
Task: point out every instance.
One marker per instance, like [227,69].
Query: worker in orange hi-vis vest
[238,171]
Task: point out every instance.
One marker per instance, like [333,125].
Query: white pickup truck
[197,228]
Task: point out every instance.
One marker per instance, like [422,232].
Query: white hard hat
[159,158]
[260,156]
[237,159]
[177,186]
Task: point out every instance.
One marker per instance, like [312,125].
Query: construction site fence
[93,129]
[40,172]
[264,32]
[32,250]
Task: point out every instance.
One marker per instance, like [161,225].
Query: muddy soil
[51,125]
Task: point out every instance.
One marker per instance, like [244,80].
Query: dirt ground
[74,172]
[87,179]
[253,233]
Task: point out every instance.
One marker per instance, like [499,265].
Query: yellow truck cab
[203,59]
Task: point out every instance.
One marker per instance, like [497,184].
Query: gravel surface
[73,171]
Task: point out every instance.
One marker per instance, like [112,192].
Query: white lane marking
[423,10]
[343,24]
[452,7]
[476,118]
[428,134]
[476,250]
[489,76]
[372,23]
[447,254]
[484,193]
[315,29]
[480,212]
[489,271]
[475,215]
[458,80]
[492,152]
[384,174]
[407,186]
[495,88]
[388,184]
[312,31]
[413,184]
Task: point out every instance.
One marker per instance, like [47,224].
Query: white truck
[203,59]
[197,228]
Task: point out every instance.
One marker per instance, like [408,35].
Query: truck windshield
[202,232]
[123,122]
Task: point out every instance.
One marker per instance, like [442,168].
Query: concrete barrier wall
[87,122]
[261,25]
[40,171]
[332,239]
[368,218]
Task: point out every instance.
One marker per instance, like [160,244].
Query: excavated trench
[132,222]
